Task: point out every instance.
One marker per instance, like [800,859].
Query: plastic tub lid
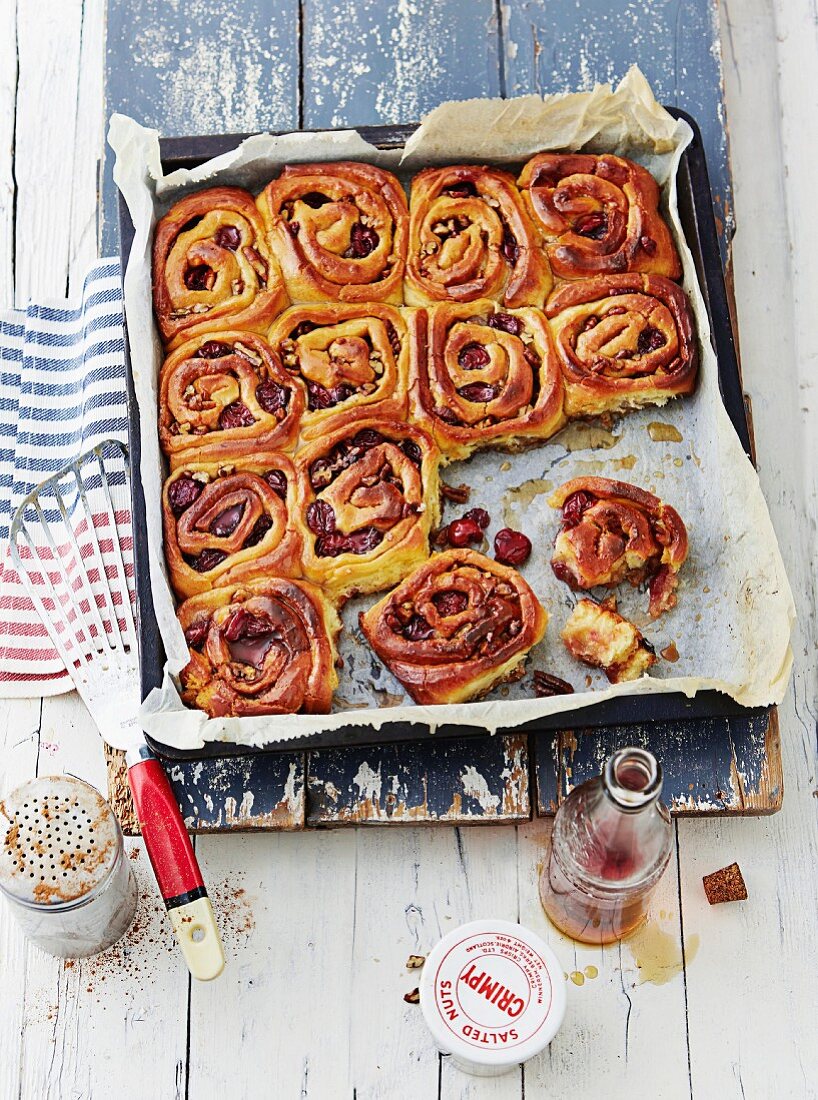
[492,993]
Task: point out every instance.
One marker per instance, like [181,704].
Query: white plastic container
[493,996]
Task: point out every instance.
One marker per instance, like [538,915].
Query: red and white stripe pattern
[62,391]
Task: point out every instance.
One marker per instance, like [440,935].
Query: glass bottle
[610,845]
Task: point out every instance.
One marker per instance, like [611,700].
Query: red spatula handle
[176,868]
[166,839]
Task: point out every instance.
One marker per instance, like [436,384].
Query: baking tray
[695,203]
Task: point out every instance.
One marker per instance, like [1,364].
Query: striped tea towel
[62,390]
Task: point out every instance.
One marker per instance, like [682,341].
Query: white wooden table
[708,1002]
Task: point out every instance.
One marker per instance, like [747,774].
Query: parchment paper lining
[733,622]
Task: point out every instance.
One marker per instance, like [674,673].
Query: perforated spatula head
[67,540]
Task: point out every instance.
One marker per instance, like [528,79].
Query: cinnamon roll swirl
[265,647]
[614,532]
[228,522]
[599,215]
[350,358]
[212,267]
[623,341]
[483,377]
[471,237]
[458,625]
[371,499]
[227,393]
[339,232]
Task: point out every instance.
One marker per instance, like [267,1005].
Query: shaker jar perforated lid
[492,994]
[60,842]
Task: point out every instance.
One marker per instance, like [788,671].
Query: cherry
[207,560]
[506,323]
[473,357]
[451,602]
[417,629]
[478,392]
[213,349]
[362,240]
[367,437]
[227,236]
[321,518]
[243,624]
[480,517]
[361,542]
[277,480]
[196,277]
[461,532]
[511,547]
[196,633]
[509,248]
[236,415]
[650,339]
[227,521]
[260,529]
[412,451]
[271,397]
[182,494]
[574,508]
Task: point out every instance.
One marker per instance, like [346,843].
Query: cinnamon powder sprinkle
[725,885]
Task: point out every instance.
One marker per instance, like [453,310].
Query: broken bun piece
[600,637]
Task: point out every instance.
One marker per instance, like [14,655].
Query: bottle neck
[612,835]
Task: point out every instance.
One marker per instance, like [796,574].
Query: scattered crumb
[412,998]
[725,885]
[414,962]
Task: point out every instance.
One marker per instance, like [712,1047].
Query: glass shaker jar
[611,843]
[63,867]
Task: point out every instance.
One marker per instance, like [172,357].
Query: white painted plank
[624,1026]
[472,875]
[48,36]
[751,991]
[88,144]
[277,1022]
[19,743]
[8,97]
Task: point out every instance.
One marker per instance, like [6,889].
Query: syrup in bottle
[610,845]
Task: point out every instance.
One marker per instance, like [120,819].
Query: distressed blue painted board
[368,61]
[455,781]
[557,46]
[715,765]
[252,791]
[224,66]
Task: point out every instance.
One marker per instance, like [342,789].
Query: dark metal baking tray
[696,213]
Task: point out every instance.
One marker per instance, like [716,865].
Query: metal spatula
[66,543]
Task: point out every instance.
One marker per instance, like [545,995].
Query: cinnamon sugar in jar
[63,867]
